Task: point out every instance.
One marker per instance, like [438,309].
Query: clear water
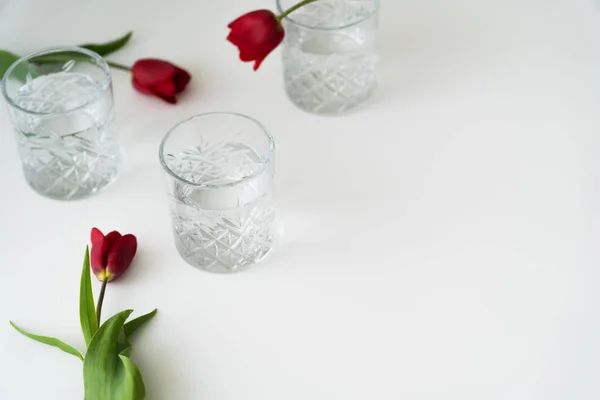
[330,70]
[66,155]
[57,92]
[227,228]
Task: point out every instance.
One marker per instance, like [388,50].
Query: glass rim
[101,62]
[263,167]
[289,18]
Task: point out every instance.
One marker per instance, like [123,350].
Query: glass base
[217,267]
[331,108]
[69,188]
[225,240]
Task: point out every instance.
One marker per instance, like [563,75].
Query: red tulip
[112,254]
[256,34]
[159,78]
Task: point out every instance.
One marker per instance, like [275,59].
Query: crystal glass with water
[61,106]
[219,169]
[329,54]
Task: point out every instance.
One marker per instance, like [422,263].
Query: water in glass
[218,227]
[328,69]
[67,152]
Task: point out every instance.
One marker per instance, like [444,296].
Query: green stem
[74,134]
[53,58]
[58,58]
[118,66]
[101,300]
[70,134]
[294,8]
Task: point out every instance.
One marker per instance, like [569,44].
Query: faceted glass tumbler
[329,54]
[61,106]
[219,169]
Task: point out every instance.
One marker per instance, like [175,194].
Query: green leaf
[134,324]
[50,341]
[87,312]
[105,49]
[133,385]
[124,345]
[108,375]
[7,59]
[128,330]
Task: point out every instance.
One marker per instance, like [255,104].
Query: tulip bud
[159,78]
[112,254]
[256,34]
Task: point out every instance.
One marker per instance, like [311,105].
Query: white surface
[442,243]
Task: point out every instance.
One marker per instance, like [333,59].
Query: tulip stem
[294,8]
[101,300]
[61,59]
[118,66]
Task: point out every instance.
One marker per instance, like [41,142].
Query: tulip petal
[120,256]
[165,88]
[98,252]
[141,88]
[248,19]
[111,239]
[109,242]
[169,99]
[268,49]
[145,90]
[260,52]
[148,71]
[181,79]
[231,38]
[96,236]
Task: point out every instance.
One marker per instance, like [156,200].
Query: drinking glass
[219,169]
[329,54]
[61,106]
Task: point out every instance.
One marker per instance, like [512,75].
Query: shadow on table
[164,377]
[323,217]
[423,51]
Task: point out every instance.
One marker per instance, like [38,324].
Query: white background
[441,243]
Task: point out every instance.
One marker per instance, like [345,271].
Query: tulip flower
[257,33]
[159,78]
[110,257]
[112,254]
